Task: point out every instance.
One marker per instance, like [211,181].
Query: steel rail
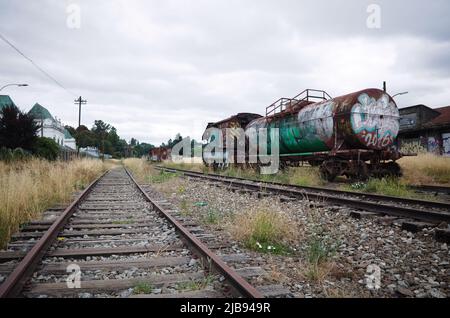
[15,282]
[378,197]
[359,203]
[240,284]
[430,188]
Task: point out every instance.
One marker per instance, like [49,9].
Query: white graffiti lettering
[375,121]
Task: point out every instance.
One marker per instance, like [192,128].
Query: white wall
[70,143]
[51,130]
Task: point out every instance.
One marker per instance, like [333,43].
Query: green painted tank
[368,119]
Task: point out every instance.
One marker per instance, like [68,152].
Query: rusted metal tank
[160,154]
[368,119]
[233,125]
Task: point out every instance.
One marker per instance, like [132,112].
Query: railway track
[115,240]
[431,189]
[427,212]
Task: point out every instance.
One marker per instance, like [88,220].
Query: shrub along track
[417,213]
[122,243]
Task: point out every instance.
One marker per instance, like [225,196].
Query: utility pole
[80,102]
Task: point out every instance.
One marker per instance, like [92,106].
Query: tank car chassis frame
[357,164]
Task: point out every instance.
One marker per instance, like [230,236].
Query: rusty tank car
[160,154]
[352,135]
[235,124]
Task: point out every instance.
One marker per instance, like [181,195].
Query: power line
[34,64]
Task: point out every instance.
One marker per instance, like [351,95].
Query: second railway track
[419,210]
[116,241]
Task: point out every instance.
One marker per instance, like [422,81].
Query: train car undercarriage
[355,164]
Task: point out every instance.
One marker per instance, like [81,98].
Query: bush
[19,154]
[265,229]
[6,154]
[46,148]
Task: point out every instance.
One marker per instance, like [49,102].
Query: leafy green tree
[101,132]
[46,148]
[142,149]
[17,129]
[85,139]
[134,142]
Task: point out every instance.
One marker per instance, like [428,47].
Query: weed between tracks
[30,187]
[264,230]
[194,285]
[142,288]
[145,173]
[303,176]
[320,248]
[387,186]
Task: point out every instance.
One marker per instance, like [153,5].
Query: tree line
[104,137]
[19,137]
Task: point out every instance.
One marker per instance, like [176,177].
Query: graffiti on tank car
[375,121]
[371,139]
[317,121]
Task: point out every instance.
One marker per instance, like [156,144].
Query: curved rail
[337,197]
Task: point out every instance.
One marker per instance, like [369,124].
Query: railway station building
[50,126]
[425,128]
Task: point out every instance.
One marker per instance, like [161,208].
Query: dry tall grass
[30,187]
[426,169]
[140,168]
[264,228]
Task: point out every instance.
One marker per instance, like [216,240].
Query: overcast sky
[155,68]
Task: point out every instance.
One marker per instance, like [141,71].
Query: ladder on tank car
[308,95]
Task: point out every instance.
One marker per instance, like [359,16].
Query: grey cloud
[155,68]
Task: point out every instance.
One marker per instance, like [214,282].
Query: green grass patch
[264,230]
[212,217]
[386,186]
[161,177]
[320,248]
[193,285]
[142,288]
[184,208]
[181,189]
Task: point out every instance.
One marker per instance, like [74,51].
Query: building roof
[443,118]
[40,112]
[5,100]
[67,134]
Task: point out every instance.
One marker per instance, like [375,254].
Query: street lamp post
[19,85]
[403,93]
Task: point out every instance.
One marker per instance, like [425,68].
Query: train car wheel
[362,171]
[328,171]
[393,169]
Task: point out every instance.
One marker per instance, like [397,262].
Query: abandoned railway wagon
[160,154]
[352,135]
